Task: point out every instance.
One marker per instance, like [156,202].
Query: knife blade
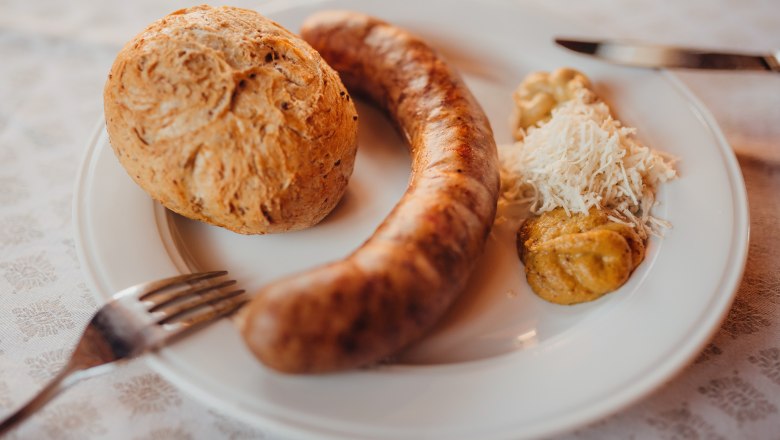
[647,55]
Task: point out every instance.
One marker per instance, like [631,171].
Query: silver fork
[139,319]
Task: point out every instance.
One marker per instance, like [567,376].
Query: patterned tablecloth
[54,56]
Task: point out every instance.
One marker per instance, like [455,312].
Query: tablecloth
[54,57]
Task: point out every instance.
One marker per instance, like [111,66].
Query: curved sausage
[394,287]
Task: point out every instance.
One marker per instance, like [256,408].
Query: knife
[646,55]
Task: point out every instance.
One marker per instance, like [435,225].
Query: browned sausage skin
[393,288]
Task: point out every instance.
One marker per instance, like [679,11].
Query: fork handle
[90,358]
[71,374]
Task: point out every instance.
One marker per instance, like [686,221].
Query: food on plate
[226,117]
[393,288]
[575,258]
[589,184]
[540,92]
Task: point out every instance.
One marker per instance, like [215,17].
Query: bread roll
[226,117]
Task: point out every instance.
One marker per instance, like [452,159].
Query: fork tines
[191,299]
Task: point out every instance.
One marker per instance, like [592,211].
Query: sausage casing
[393,288]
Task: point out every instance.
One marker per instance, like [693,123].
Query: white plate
[503,364]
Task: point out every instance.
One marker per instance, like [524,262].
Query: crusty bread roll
[226,117]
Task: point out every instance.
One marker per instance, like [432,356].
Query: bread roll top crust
[224,116]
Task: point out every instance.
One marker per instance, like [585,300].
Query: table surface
[54,57]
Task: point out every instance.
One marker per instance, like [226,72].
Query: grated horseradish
[580,158]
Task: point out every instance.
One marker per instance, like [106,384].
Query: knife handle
[773,61]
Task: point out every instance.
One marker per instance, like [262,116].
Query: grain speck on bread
[226,117]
